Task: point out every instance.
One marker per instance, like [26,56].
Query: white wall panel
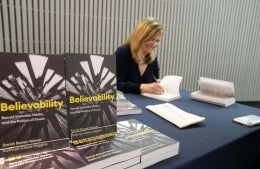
[36,33]
[217,39]
[30,28]
[5,26]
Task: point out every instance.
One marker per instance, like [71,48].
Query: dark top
[128,76]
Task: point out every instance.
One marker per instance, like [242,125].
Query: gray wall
[211,38]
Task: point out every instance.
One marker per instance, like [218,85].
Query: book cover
[91,97]
[115,152]
[33,103]
[110,153]
[67,158]
[155,145]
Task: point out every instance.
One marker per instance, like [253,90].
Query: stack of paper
[175,115]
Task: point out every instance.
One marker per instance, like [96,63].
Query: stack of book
[136,145]
[126,107]
[110,153]
[155,145]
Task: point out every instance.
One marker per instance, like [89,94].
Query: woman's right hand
[154,88]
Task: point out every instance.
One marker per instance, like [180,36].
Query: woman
[136,63]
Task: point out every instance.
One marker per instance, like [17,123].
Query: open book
[215,91]
[248,120]
[171,85]
[175,115]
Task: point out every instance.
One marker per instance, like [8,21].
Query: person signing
[136,62]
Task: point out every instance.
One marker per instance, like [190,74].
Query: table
[216,143]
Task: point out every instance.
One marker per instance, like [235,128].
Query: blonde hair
[144,31]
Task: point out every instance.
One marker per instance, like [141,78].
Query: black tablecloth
[217,142]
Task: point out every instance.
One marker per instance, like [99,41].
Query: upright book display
[91,97]
[33,104]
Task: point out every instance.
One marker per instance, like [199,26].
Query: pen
[155,78]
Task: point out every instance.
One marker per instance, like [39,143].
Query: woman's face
[148,46]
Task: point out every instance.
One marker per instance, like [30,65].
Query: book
[67,158]
[131,163]
[175,115]
[110,153]
[155,145]
[130,109]
[126,107]
[115,152]
[136,166]
[171,85]
[248,120]
[33,114]
[159,158]
[91,97]
[215,91]
[213,99]
[120,99]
